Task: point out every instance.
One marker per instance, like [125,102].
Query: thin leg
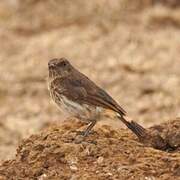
[88,129]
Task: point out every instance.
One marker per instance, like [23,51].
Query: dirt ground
[130,48]
[106,154]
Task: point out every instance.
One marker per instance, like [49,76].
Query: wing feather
[86,92]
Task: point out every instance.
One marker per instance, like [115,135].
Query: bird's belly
[83,111]
[71,106]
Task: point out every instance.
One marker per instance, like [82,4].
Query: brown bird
[76,94]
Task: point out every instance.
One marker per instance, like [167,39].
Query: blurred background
[130,48]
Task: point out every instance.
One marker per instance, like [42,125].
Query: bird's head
[59,68]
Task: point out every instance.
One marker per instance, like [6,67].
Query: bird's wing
[103,97]
[86,92]
[67,88]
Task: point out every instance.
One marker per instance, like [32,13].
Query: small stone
[42,177]
[100,160]
[109,174]
[73,167]
[150,178]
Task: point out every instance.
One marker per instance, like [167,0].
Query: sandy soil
[131,49]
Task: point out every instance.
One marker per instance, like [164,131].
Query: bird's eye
[63,64]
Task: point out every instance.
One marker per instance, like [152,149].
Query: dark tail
[136,128]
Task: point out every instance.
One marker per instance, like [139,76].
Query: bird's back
[93,94]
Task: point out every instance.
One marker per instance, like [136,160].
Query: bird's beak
[51,66]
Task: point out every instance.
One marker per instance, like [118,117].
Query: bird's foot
[85,133]
[79,139]
[81,136]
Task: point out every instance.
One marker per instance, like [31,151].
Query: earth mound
[105,154]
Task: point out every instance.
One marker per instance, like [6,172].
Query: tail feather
[136,128]
[141,130]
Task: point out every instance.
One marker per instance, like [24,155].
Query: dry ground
[131,49]
[105,154]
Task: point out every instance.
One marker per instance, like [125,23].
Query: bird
[80,97]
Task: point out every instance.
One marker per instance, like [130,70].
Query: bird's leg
[88,129]
[92,118]
[85,133]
